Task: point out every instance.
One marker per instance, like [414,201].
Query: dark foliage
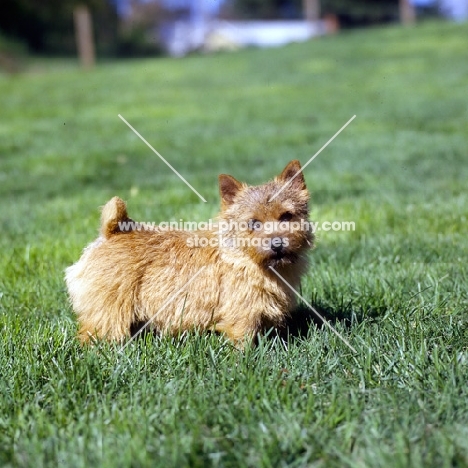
[47,26]
[350,12]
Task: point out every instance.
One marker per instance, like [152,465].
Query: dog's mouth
[281,258]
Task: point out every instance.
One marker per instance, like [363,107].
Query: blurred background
[168,67]
[138,28]
[201,81]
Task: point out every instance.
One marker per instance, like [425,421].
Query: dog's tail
[114,218]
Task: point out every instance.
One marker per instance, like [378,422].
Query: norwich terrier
[137,274]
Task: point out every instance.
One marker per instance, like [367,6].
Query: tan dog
[218,279]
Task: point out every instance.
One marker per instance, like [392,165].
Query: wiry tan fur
[125,278]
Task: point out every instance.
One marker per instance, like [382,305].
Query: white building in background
[198,26]
[214,35]
[201,30]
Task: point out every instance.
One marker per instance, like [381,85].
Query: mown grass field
[396,287]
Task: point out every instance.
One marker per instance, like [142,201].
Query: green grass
[396,287]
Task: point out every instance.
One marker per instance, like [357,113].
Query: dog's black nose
[277,244]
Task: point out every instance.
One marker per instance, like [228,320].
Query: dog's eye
[255,225]
[285,217]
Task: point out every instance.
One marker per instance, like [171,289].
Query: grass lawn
[396,287]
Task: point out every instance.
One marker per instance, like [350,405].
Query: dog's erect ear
[228,188]
[113,213]
[292,172]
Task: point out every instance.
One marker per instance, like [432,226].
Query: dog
[235,277]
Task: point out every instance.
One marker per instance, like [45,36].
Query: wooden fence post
[84,36]
[407,12]
[311,9]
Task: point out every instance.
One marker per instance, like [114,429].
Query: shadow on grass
[298,324]
[141,329]
[303,318]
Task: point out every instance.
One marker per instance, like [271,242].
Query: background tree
[350,12]
[362,12]
[264,9]
[47,26]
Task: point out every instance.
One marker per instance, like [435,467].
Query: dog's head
[267,222]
